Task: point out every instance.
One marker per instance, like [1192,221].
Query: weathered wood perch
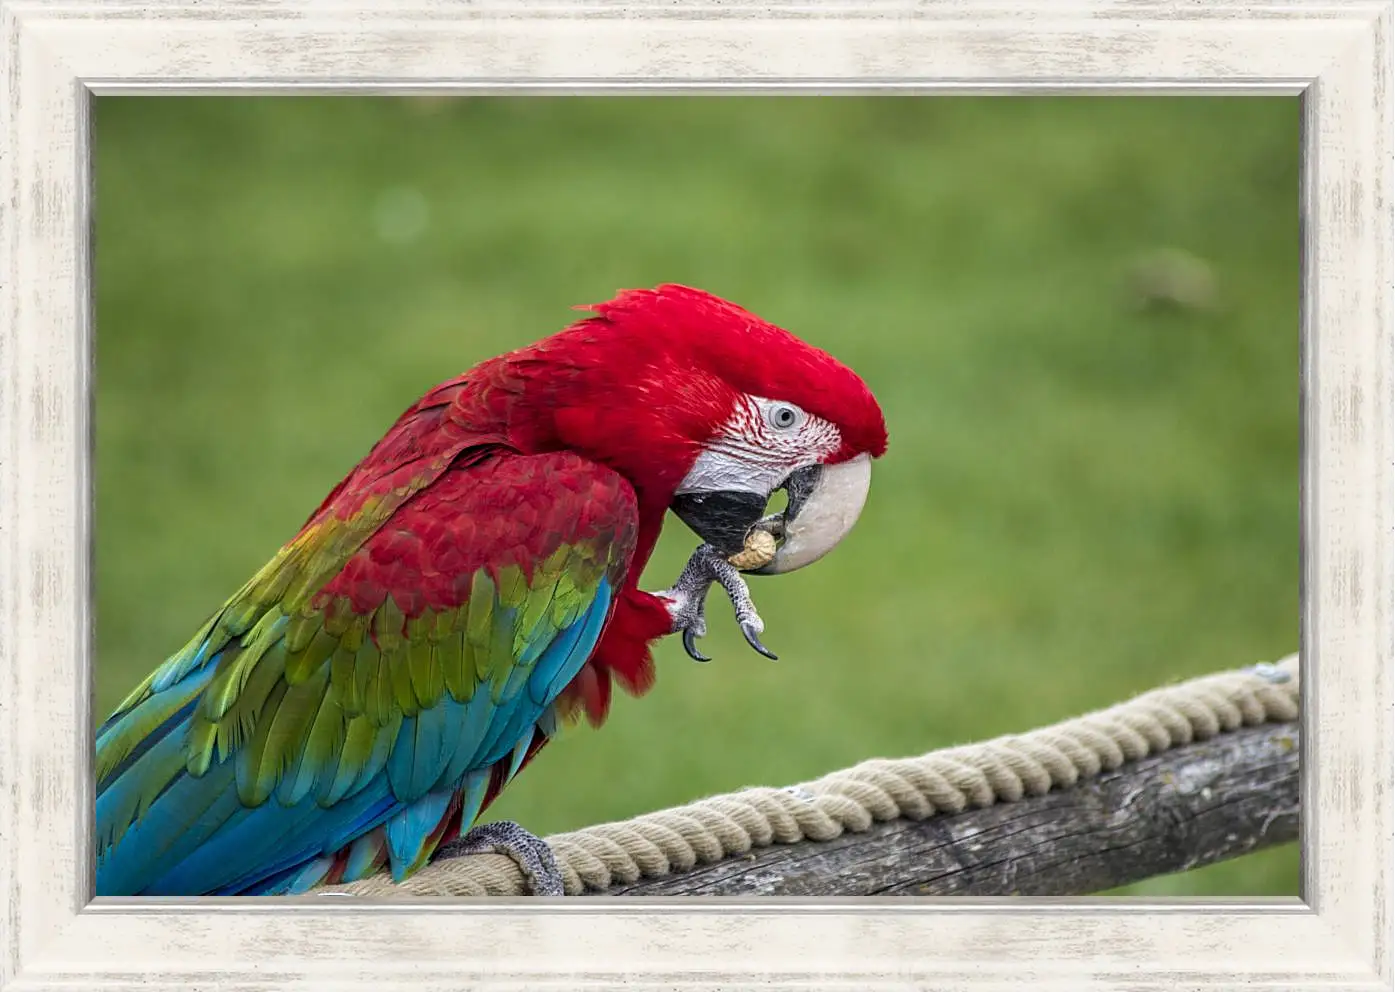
[1191,806]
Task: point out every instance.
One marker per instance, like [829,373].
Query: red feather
[639,388]
[505,509]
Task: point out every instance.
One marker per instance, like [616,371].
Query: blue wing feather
[205,841]
[408,829]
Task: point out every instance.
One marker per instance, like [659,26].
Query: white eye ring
[784,417]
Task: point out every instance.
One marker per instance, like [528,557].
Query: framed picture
[1103,291]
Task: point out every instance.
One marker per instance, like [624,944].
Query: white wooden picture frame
[58,54]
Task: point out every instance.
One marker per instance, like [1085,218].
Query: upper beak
[824,503]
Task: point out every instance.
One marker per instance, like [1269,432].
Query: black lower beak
[720,518]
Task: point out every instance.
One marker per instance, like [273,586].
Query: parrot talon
[704,567]
[752,635]
[687,596]
[752,626]
[774,525]
[690,645]
[530,852]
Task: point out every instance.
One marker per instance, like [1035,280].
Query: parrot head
[711,410]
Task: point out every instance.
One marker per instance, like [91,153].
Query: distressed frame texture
[57,54]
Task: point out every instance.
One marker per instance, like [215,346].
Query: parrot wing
[387,672]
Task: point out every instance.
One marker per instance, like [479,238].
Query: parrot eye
[783,417]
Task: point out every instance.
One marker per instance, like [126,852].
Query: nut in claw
[758,551]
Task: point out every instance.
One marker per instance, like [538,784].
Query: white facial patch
[762,442]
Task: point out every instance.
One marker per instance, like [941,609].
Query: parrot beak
[824,503]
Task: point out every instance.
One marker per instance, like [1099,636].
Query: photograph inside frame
[426,426]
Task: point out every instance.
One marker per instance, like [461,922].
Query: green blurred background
[1080,315]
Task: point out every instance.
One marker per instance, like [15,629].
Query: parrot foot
[688,594]
[531,853]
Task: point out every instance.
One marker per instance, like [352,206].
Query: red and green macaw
[470,585]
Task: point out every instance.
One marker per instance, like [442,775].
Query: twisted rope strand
[946,781]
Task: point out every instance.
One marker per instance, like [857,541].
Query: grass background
[1084,497]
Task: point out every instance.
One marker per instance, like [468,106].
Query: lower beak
[723,518]
[824,503]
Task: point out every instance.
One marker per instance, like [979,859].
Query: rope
[946,781]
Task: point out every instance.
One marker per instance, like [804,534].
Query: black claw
[690,645]
[753,639]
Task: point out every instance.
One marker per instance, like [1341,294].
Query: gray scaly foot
[705,567]
[530,852]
